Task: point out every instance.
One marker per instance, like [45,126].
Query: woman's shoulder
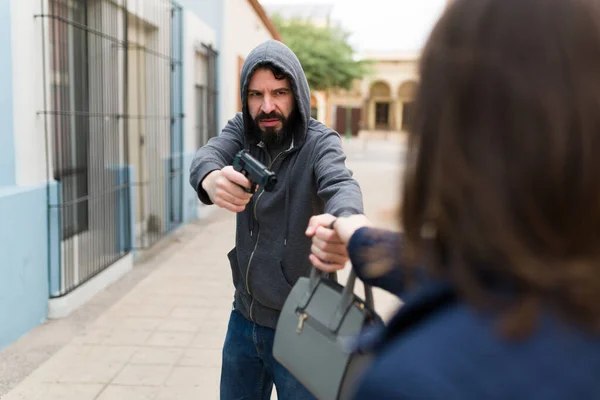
[453,352]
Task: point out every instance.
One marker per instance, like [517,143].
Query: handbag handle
[315,276]
[345,301]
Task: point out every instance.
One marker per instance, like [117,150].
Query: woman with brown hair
[501,213]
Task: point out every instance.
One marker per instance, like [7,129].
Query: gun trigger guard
[252,188]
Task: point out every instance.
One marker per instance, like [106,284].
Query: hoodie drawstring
[287,201]
[250,216]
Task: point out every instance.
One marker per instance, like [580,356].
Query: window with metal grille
[69,97]
[83,112]
[212,94]
[113,123]
[201,116]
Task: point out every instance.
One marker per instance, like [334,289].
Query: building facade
[104,103]
[240,25]
[382,101]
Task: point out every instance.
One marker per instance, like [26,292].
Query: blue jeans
[249,369]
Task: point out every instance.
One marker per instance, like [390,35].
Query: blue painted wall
[23,261]
[23,220]
[7,143]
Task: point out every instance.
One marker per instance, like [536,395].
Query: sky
[383,25]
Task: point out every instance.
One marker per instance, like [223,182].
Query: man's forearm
[204,187]
[208,180]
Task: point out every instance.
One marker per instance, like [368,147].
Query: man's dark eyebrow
[274,90]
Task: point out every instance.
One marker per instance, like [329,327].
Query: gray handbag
[317,317]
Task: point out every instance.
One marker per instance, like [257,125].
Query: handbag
[317,319]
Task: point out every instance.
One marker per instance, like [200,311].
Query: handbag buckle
[301,318]
[360,305]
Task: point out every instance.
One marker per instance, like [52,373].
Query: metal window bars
[113,130]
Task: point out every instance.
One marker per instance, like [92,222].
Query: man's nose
[268,105]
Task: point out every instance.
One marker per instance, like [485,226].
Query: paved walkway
[161,339]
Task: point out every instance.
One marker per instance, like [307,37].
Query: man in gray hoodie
[271,248]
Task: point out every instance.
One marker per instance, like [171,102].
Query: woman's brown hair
[503,166]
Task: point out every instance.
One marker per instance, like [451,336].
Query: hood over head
[278,54]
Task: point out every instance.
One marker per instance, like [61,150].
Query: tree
[326,56]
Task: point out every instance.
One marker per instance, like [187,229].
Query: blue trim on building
[24,262]
[7,139]
[174,171]
[124,208]
[54,238]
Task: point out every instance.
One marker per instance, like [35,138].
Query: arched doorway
[406,97]
[380,108]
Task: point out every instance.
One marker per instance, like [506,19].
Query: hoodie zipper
[257,237]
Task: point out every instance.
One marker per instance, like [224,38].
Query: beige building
[382,101]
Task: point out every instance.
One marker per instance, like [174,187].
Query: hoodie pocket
[267,282]
[236,273]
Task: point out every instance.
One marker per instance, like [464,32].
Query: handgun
[255,171]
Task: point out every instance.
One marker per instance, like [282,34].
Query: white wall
[243,30]
[26,39]
[196,33]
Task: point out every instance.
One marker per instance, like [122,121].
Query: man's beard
[272,136]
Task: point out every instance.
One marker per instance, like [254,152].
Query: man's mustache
[272,115]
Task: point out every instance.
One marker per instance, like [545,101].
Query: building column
[392,115]
[371,115]
[364,114]
[322,107]
[399,109]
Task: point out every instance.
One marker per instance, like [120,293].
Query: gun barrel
[269,181]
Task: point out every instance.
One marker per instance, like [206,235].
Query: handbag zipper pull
[301,319]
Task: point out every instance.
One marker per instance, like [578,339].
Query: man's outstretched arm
[336,186]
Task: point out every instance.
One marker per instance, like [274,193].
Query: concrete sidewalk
[161,337]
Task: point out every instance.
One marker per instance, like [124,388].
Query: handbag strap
[346,299]
[314,280]
[346,302]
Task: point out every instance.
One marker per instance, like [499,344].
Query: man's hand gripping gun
[257,173]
